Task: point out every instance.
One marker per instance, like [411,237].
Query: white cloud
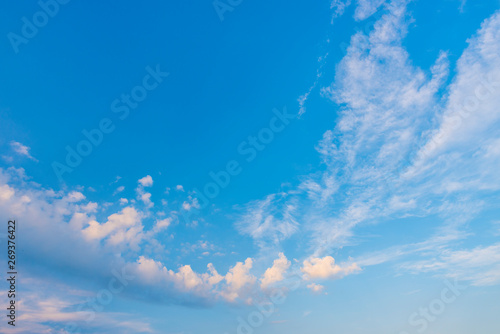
[302,100]
[90,207]
[238,279]
[59,305]
[190,203]
[269,221]
[462,5]
[212,277]
[325,268]
[146,181]
[454,166]
[471,115]
[188,277]
[339,7]
[162,224]
[119,190]
[142,195]
[366,8]
[75,196]
[146,199]
[399,203]
[276,272]
[385,102]
[322,61]
[21,149]
[115,243]
[316,288]
[321,191]
[8,158]
[120,227]
[237,282]
[179,187]
[6,192]
[480,265]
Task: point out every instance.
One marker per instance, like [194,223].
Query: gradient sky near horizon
[340,154]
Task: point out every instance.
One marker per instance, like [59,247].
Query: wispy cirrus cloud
[366,8]
[19,149]
[398,140]
[270,220]
[479,265]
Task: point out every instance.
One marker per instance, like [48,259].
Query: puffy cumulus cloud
[149,270]
[75,196]
[42,211]
[155,272]
[212,277]
[325,268]
[90,207]
[316,288]
[130,237]
[6,192]
[162,224]
[117,241]
[190,203]
[208,286]
[276,272]
[90,247]
[237,285]
[238,276]
[239,281]
[188,277]
[142,195]
[145,198]
[146,181]
[79,220]
[117,225]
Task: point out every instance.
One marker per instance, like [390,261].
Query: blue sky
[252,167]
